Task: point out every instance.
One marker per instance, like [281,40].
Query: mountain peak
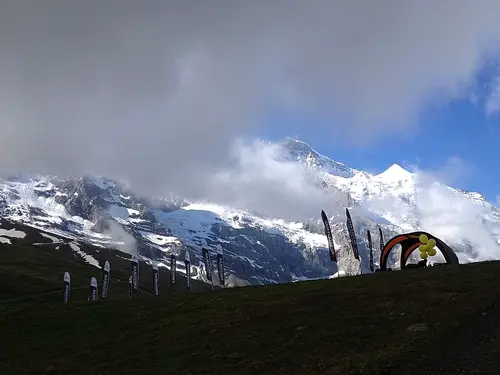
[293,144]
[303,152]
[395,171]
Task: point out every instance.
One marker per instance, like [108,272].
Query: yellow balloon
[423,255]
[432,252]
[423,238]
[424,248]
[431,243]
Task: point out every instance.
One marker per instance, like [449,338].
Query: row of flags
[133,282]
[208,263]
[352,237]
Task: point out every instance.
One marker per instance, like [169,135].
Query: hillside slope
[35,272]
[356,325]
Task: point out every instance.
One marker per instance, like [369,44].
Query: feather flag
[381,236]
[93,290]
[187,264]
[329,237]
[206,259]
[370,246]
[352,235]
[67,286]
[156,280]
[105,280]
[135,274]
[220,265]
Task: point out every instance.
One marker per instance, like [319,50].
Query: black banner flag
[206,260]
[130,286]
[156,280]
[187,264]
[370,246]
[328,233]
[381,240]
[105,280]
[135,274]
[93,289]
[67,287]
[352,235]
[220,265]
[173,270]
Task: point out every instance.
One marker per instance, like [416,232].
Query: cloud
[492,103]
[453,171]
[155,93]
[464,220]
[459,220]
[262,178]
[123,239]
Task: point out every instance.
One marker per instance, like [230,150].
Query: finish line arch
[409,243]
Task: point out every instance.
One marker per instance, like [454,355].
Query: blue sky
[460,129]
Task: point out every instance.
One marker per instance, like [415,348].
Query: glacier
[259,248]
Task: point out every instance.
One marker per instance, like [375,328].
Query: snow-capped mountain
[259,249]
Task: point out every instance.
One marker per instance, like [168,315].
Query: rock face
[257,249]
[82,198]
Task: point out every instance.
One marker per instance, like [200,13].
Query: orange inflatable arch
[409,243]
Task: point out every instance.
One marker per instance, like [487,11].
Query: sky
[159,93]
[462,133]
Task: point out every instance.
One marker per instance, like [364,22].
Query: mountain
[257,249]
[33,263]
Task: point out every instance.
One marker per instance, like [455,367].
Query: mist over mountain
[265,212]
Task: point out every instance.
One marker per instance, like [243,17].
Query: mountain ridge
[258,249]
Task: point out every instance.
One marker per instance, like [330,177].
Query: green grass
[355,325]
[36,273]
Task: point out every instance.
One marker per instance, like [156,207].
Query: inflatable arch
[409,243]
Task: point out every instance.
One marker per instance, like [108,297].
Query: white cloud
[455,218]
[125,241]
[155,93]
[492,103]
[261,179]
[454,170]
[463,221]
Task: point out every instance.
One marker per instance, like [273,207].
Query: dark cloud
[155,91]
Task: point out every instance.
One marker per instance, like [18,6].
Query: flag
[382,243]
[371,249]
[328,233]
[173,267]
[130,287]
[67,286]
[156,280]
[381,239]
[206,259]
[135,274]
[187,264]
[105,280]
[352,235]
[220,265]
[93,289]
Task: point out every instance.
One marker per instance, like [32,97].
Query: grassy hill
[36,272]
[355,325]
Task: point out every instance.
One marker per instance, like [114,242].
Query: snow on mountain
[302,152]
[257,249]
